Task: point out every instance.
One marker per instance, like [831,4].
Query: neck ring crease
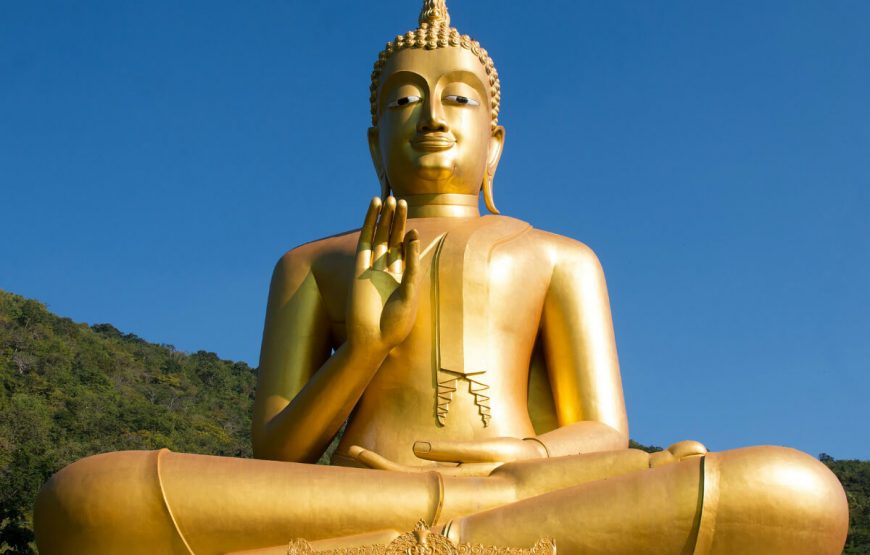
[442,205]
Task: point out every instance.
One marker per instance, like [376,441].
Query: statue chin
[474,363]
[435,177]
[428,175]
[439,171]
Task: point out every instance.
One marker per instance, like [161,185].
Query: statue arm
[303,394]
[580,350]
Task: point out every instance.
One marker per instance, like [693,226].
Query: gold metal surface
[474,361]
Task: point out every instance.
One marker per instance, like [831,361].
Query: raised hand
[383,297]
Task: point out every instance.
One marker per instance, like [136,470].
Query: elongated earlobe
[496,144]
[487,193]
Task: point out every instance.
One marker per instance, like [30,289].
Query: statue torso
[463,372]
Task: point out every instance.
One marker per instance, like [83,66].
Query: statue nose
[432,118]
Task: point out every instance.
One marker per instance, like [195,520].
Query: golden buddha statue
[474,364]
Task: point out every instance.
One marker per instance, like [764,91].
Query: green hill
[69,390]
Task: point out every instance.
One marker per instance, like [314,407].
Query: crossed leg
[751,501]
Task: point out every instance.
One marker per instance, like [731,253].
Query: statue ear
[496,144]
[377,161]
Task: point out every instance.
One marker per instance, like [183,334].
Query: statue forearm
[582,437]
[305,403]
[301,431]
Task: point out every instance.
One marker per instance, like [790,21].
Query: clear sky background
[156,158]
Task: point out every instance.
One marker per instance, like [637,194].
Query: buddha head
[434,101]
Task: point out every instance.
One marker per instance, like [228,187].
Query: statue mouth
[433,142]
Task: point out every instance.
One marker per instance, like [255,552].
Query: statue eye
[462,100]
[404,101]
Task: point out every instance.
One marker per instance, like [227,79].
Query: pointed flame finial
[434,12]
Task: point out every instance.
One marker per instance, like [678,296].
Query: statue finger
[366,236]
[377,462]
[397,236]
[411,247]
[463,451]
[467,470]
[382,234]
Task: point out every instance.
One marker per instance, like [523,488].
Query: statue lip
[433,142]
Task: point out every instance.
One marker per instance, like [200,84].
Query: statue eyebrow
[467,77]
[401,78]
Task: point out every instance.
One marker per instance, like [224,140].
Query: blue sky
[157,158]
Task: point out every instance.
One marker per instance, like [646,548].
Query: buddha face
[434,132]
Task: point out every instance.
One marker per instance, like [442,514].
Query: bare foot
[677,452]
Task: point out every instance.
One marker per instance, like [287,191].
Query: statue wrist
[367,353]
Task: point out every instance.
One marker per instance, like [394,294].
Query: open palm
[383,296]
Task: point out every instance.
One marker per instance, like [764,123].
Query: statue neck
[442,205]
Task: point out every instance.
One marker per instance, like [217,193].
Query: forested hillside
[69,390]
[855,476]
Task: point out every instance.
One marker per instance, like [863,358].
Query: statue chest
[481,309]
[479,313]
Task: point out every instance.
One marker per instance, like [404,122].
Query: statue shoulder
[563,252]
[567,254]
[300,261]
[564,256]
